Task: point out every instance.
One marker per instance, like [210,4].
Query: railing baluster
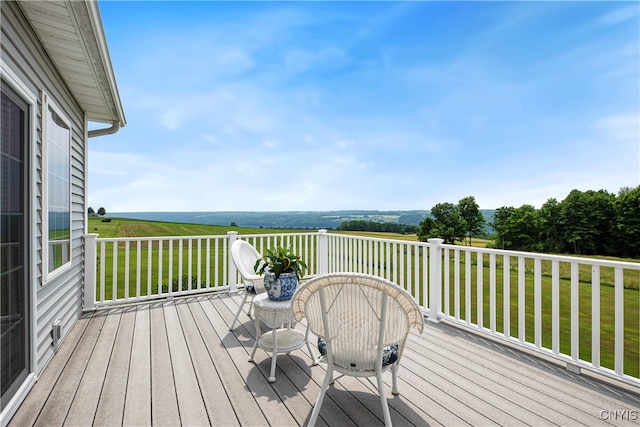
[467,287]
[426,283]
[480,292]
[402,279]
[199,264]
[417,274]
[537,301]
[103,262]
[619,321]
[595,316]
[149,266]
[126,270]
[521,300]
[555,307]
[506,291]
[160,257]
[190,265]
[170,268]
[114,282]
[575,313]
[208,264]
[447,282]
[180,255]
[138,267]
[217,262]
[492,292]
[456,283]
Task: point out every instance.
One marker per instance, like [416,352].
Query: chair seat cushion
[389,353]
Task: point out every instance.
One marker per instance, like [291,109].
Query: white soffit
[72,34]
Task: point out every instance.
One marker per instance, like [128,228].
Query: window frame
[51,271]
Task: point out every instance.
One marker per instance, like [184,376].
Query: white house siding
[60,297]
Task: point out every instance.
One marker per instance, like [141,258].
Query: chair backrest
[357,314]
[244,257]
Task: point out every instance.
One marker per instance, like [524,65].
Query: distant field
[124,227]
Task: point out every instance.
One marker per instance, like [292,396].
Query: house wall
[60,297]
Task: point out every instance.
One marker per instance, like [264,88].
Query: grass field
[136,228]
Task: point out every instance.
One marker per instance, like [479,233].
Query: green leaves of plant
[280,260]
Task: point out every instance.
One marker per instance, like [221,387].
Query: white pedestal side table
[275,314]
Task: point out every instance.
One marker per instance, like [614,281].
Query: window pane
[58,187]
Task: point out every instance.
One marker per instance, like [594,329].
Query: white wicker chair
[363,319]
[244,257]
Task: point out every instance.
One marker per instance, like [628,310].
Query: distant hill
[285,219]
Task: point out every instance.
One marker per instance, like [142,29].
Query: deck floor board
[175,362]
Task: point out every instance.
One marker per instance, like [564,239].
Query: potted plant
[282,269]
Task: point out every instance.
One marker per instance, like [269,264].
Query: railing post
[233,286]
[323,252]
[435,279]
[90,264]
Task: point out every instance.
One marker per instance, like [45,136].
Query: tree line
[101,212]
[584,223]
[387,227]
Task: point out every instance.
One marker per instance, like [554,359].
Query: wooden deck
[176,363]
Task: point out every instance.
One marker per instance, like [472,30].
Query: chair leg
[394,379]
[250,299]
[323,390]
[383,400]
[246,294]
[306,339]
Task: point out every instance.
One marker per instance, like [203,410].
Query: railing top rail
[251,236]
[209,236]
[155,238]
[377,239]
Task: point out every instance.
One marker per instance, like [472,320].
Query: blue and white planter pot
[281,289]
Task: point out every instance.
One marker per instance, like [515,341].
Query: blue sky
[272,106]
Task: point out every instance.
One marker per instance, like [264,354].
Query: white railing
[577,310]
[131,269]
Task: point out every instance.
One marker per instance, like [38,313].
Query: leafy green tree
[102,212]
[587,221]
[450,225]
[470,212]
[516,228]
[425,228]
[501,224]
[550,227]
[628,222]
[91,211]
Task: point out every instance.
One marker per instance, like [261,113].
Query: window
[57,190]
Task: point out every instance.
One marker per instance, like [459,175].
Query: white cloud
[298,60]
[174,118]
[625,127]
